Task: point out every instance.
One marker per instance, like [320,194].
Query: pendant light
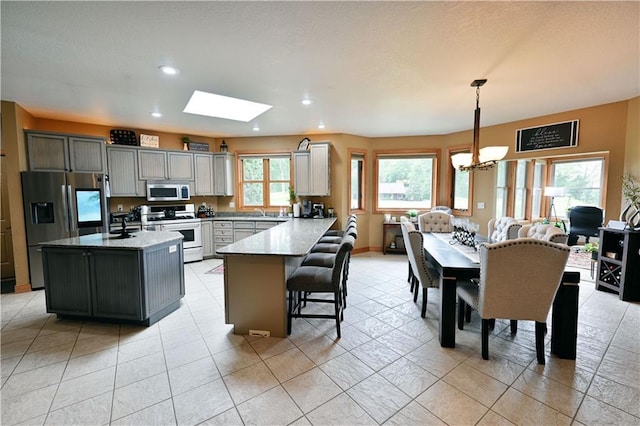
[478,159]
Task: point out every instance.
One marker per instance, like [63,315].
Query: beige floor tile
[220,342]
[499,368]
[8,367]
[273,407]
[375,354]
[30,405]
[236,358]
[352,338]
[32,360]
[96,410]
[139,369]
[378,397]
[158,414]
[552,393]
[435,359]
[84,387]
[131,349]
[14,349]
[394,318]
[408,377]
[321,349]
[311,389]
[202,403]
[180,337]
[491,418]
[289,364]
[250,381]
[475,384]
[594,412]
[227,418]
[565,372]
[44,340]
[89,363]
[340,410]
[373,327]
[140,395]
[399,341]
[87,344]
[622,366]
[192,375]
[346,370]
[524,410]
[186,353]
[615,394]
[31,380]
[267,347]
[414,414]
[451,405]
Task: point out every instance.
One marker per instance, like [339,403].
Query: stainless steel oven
[180,218]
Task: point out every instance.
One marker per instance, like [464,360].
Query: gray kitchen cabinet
[224,174]
[152,164]
[207,238]
[180,165]
[243,229]
[65,153]
[312,172]
[203,169]
[222,233]
[123,172]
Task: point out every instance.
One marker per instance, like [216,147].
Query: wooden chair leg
[540,328]
[462,307]
[423,313]
[514,326]
[485,338]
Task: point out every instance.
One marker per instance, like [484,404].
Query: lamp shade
[462,159]
[553,191]
[493,153]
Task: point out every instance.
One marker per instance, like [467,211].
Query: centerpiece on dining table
[464,232]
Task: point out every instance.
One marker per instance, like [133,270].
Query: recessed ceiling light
[321,126]
[256,128]
[306,101]
[169,70]
[213,105]
[156,114]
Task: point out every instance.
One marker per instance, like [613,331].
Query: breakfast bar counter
[256,269]
[139,279]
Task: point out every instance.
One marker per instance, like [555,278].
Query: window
[502,188]
[520,195]
[356,181]
[536,190]
[405,181]
[582,181]
[460,188]
[264,181]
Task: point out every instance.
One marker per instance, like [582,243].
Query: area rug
[217,270]
[579,259]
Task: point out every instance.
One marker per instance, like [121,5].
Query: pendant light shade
[478,159]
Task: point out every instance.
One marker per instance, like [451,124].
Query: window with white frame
[582,181]
[405,181]
[520,193]
[536,190]
[502,188]
[264,181]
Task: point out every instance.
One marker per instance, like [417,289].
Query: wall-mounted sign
[550,136]
[198,146]
[149,141]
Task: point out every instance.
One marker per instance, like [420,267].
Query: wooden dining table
[452,266]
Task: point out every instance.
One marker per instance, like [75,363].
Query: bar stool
[340,232]
[337,238]
[307,280]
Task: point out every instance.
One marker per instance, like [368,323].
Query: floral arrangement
[631,190]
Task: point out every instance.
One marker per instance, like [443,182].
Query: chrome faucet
[264,212]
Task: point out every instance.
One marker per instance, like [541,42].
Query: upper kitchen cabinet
[312,172]
[161,165]
[224,174]
[65,153]
[203,165]
[123,172]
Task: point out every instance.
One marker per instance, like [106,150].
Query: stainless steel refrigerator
[61,205]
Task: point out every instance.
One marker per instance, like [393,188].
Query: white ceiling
[371,68]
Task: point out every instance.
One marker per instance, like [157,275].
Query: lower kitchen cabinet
[243,229]
[222,233]
[207,238]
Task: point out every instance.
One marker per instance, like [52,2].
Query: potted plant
[292,198]
[631,193]
[593,249]
[330,211]
[413,215]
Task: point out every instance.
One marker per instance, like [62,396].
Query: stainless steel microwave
[168,191]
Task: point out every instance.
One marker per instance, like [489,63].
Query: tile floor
[388,367]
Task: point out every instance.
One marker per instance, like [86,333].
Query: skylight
[219,106]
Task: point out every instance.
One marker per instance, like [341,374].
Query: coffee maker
[318,210]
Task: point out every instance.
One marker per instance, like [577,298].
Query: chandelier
[478,159]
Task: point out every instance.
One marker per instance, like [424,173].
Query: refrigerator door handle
[66,211]
[72,219]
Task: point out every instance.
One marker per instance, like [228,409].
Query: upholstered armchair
[424,275]
[503,228]
[585,221]
[434,222]
[545,232]
[441,209]
[406,227]
[518,281]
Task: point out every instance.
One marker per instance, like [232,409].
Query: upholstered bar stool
[338,238]
[339,232]
[307,280]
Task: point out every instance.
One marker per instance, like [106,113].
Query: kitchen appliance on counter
[60,205]
[318,210]
[168,191]
[181,218]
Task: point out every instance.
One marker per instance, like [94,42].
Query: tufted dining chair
[441,209]
[423,274]
[503,228]
[434,222]
[514,286]
[545,232]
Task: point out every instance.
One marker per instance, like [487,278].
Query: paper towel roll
[296,210]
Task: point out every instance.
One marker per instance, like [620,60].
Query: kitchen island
[256,269]
[139,279]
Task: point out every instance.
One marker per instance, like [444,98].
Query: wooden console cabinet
[619,263]
[390,233]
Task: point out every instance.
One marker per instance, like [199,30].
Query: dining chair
[307,280]
[434,222]
[518,281]
[442,209]
[545,232]
[503,228]
[424,275]
[405,227]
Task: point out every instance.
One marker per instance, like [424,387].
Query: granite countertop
[250,218]
[140,240]
[294,237]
